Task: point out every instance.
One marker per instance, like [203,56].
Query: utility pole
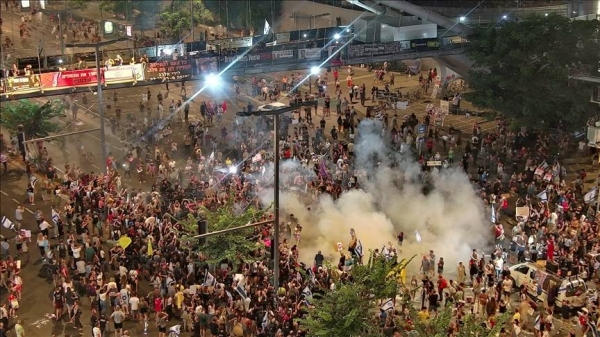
[99,76]
[276,115]
[192,18]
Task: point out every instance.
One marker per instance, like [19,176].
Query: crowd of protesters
[120,247]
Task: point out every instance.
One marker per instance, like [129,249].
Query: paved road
[36,303]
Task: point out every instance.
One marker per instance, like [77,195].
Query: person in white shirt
[134,303]
[96,332]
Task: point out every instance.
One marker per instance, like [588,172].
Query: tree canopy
[35,119]
[240,244]
[522,70]
[175,19]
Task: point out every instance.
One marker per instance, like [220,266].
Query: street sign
[421,129]
[434,163]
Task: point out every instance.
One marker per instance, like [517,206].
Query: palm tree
[35,119]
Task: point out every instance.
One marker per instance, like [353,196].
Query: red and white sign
[71,78]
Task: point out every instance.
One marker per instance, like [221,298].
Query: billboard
[206,65]
[282,54]
[172,70]
[132,72]
[309,54]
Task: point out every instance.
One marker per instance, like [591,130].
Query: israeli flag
[418,237]
[387,305]
[55,216]
[212,156]
[267,28]
[358,250]
[242,292]
[265,321]
[6,223]
[306,292]
[493,214]
[536,324]
[591,195]
[543,195]
[209,280]
[592,328]
[313,278]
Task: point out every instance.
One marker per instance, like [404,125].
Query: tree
[240,244]
[522,68]
[35,119]
[175,19]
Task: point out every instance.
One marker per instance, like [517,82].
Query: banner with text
[247,58]
[171,70]
[309,54]
[375,49]
[131,72]
[70,78]
[283,54]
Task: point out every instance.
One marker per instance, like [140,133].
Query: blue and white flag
[55,216]
[265,321]
[536,324]
[307,293]
[209,280]
[418,237]
[493,214]
[591,195]
[358,250]
[387,305]
[543,195]
[592,328]
[6,223]
[313,278]
[267,28]
[240,290]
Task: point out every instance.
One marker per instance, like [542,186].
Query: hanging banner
[283,54]
[246,58]
[237,42]
[22,82]
[171,70]
[128,73]
[309,54]
[71,78]
[374,49]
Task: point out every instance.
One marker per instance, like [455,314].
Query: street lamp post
[276,115]
[97,47]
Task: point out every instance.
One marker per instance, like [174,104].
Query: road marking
[17,201]
[6,194]
[28,210]
[96,166]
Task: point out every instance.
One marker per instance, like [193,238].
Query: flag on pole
[358,250]
[212,155]
[6,223]
[387,305]
[209,279]
[493,214]
[592,328]
[150,249]
[265,321]
[242,292]
[543,195]
[418,237]
[267,29]
[55,216]
[536,324]
[591,195]
[313,278]
[385,251]
[307,293]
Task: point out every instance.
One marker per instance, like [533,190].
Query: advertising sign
[309,54]
[374,49]
[69,78]
[283,54]
[124,73]
[282,37]
[172,70]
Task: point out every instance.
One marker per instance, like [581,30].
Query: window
[523,270]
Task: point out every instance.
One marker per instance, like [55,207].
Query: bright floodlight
[213,81]
[546,14]
[336,36]
[504,17]
[304,35]
[314,70]
[462,18]
[60,61]
[233,169]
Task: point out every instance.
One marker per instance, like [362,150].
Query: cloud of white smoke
[450,217]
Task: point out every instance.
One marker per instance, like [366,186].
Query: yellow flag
[150,250]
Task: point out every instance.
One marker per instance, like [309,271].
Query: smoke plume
[449,217]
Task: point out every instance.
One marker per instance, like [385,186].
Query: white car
[271,106]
